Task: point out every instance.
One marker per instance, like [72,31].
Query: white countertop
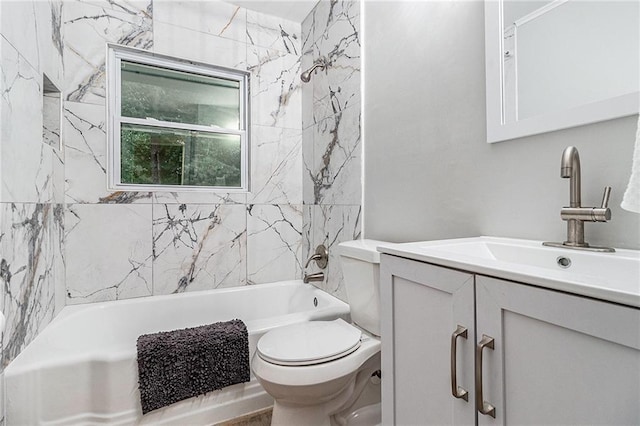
[613,277]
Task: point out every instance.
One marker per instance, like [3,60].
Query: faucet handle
[590,214]
[603,214]
[321,256]
[605,197]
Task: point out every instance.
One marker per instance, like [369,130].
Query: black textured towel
[180,364]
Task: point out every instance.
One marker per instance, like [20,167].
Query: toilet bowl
[309,389]
[317,371]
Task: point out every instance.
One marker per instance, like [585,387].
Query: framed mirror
[557,64]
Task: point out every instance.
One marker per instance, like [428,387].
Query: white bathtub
[82,368]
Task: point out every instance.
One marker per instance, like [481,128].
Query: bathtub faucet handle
[321,256]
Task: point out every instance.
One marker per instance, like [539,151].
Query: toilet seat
[309,343]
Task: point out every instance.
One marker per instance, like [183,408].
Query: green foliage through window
[179,127]
[177,157]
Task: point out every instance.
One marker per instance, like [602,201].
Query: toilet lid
[309,343]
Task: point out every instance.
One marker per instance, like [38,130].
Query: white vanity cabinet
[556,359]
[427,305]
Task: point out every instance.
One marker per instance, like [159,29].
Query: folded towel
[180,364]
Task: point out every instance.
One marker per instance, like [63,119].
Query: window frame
[115,55]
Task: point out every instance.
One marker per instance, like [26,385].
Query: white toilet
[318,372]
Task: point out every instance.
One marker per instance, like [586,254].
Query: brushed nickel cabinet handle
[456,390]
[483,406]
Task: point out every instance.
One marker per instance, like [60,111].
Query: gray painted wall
[429,173]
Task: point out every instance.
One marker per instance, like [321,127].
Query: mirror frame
[498,130]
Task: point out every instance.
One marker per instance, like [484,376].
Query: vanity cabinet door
[422,306]
[557,358]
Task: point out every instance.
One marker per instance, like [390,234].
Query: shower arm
[318,63]
[315,66]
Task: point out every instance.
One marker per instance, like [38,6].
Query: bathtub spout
[318,276]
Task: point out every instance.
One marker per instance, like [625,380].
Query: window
[175,124]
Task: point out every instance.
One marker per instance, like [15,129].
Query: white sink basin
[609,276]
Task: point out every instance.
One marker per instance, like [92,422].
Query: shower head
[306,76]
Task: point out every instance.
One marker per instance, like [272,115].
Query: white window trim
[115,55]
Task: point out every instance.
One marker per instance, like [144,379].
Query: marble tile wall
[31,174]
[65,239]
[121,245]
[332,142]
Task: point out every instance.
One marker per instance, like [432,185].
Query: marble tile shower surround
[31,174]
[182,241]
[109,252]
[214,239]
[333,163]
[31,239]
[195,246]
[274,236]
[97,245]
[332,143]
[330,225]
[331,32]
[87,27]
[26,163]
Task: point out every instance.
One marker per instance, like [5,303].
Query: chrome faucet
[318,276]
[575,214]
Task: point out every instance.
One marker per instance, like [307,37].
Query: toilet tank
[361,270]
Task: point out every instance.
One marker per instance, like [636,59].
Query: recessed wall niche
[51,111]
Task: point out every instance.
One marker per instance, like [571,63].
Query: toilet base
[286,415]
[316,416]
[369,415]
[362,390]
